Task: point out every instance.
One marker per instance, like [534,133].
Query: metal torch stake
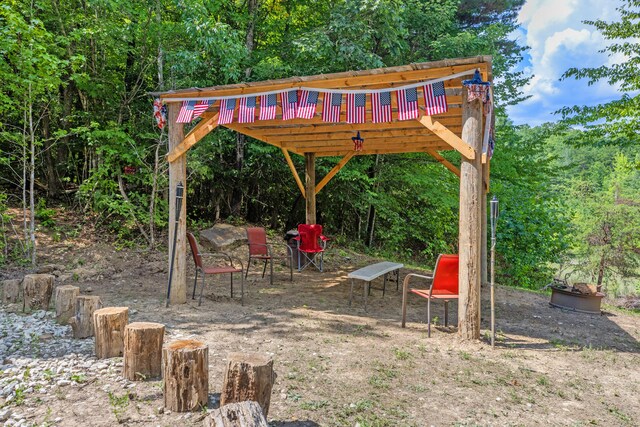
[179,196]
[494,220]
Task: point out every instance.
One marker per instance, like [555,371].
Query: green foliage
[45,215]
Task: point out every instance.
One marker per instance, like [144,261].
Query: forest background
[76,131]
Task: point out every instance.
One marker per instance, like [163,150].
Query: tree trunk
[32,179]
[37,290]
[11,291]
[245,414]
[82,322]
[109,324]
[371,217]
[249,376]
[142,350]
[66,303]
[186,375]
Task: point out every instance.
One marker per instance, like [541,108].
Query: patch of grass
[543,380]
[78,378]
[619,414]
[401,354]
[19,396]
[118,404]
[464,355]
[48,374]
[314,405]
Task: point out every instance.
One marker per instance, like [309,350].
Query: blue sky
[558,40]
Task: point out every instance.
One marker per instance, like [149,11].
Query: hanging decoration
[227,107]
[407,103]
[267,107]
[307,104]
[477,88]
[381,107]
[191,110]
[289,102]
[160,113]
[247,110]
[356,107]
[331,106]
[357,142]
[435,98]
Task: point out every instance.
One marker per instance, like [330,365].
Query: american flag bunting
[289,104]
[186,112]
[331,106]
[267,107]
[227,107]
[381,107]
[247,110]
[435,98]
[407,103]
[307,104]
[356,107]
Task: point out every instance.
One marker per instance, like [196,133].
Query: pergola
[461,129]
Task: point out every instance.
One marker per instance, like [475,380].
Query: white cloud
[559,40]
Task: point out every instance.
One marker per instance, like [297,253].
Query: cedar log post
[470,228]
[483,215]
[142,350]
[310,186]
[243,414]
[109,324]
[249,376]
[82,322]
[177,174]
[37,290]
[186,375]
[66,302]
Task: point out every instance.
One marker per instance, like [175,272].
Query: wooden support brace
[446,163]
[334,171]
[449,137]
[208,123]
[294,171]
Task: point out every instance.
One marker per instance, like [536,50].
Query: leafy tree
[614,122]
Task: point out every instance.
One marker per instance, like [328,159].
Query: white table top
[373,271]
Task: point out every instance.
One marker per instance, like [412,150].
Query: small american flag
[227,107]
[381,107]
[307,105]
[331,106]
[186,112]
[267,107]
[247,110]
[407,103]
[435,98]
[289,104]
[356,107]
[199,108]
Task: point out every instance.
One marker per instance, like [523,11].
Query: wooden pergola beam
[449,137]
[330,136]
[208,123]
[444,162]
[334,171]
[294,171]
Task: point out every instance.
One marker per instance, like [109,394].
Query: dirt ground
[341,366]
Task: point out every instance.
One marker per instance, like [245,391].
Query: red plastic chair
[223,269]
[311,243]
[259,249]
[444,286]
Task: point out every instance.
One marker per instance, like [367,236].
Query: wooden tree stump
[109,324]
[142,350]
[11,291]
[242,414]
[249,376]
[186,375]
[37,290]
[66,302]
[82,322]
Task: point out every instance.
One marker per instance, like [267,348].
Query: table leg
[351,293]
[366,292]
[384,283]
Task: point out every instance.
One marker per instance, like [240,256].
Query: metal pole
[494,220]
[179,196]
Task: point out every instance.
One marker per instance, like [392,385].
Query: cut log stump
[142,350]
[249,376]
[244,414]
[66,302]
[108,324]
[82,322]
[11,291]
[186,375]
[37,289]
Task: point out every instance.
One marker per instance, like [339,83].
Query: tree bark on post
[37,290]
[310,186]
[186,375]
[66,303]
[142,350]
[249,376]
[483,215]
[82,322]
[11,290]
[177,174]
[109,324]
[470,227]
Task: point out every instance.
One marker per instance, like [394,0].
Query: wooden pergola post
[483,215]
[310,186]
[470,236]
[177,174]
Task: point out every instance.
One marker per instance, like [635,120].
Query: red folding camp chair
[444,286]
[311,245]
[260,249]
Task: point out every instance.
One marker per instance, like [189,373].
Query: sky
[559,40]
